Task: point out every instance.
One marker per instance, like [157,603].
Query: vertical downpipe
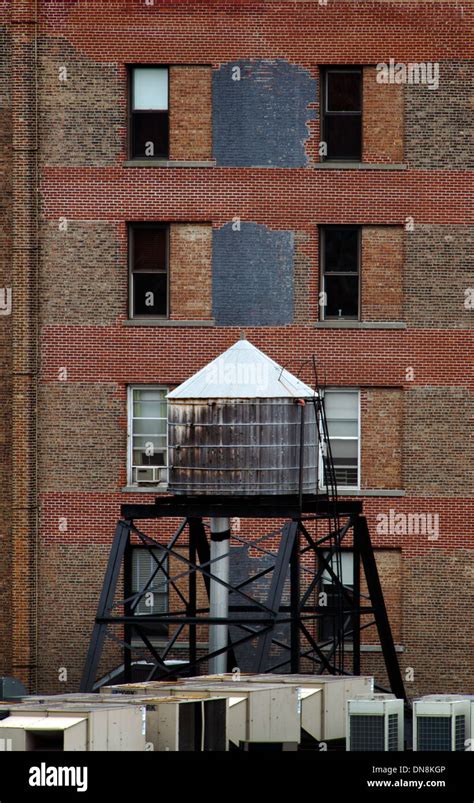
[219,594]
[25,356]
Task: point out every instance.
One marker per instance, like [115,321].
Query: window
[148,438]
[149,123]
[342,114]
[342,414]
[327,624]
[340,271]
[149,249]
[146,566]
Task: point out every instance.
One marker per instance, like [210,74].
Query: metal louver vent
[367,732]
[393,732]
[434,733]
[459,732]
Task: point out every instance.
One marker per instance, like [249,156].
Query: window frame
[130,419]
[131,227]
[323,273]
[131,111]
[324,73]
[345,489]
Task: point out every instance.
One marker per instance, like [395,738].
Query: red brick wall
[381,437]
[382,120]
[382,273]
[190,113]
[190,271]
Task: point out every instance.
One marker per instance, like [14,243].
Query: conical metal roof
[242,372]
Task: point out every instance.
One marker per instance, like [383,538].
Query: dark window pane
[341,250]
[149,293]
[343,92]
[345,477]
[329,625]
[150,127]
[342,295]
[343,136]
[145,572]
[149,248]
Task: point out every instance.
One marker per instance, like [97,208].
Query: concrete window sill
[360,324]
[358,166]
[349,647]
[164,322]
[167,163]
[149,489]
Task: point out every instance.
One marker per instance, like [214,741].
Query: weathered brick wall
[438,133]
[305,277]
[5,348]
[390,569]
[437,458]
[437,275]
[83,273]
[190,271]
[437,590]
[190,116]
[381,437]
[87,273]
[68,606]
[382,273]
[82,115]
[382,120]
[83,437]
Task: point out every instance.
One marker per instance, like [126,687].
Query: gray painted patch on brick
[252,276]
[261,119]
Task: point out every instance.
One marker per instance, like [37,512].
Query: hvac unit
[149,475]
[165,723]
[38,733]
[324,719]
[185,725]
[441,723]
[271,710]
[375,723]
[75,726]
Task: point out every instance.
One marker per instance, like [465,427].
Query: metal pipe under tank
[219,594]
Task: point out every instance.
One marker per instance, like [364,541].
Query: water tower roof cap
[242,372]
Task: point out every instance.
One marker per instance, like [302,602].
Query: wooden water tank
[240,426]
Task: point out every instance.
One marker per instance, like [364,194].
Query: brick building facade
[248,201]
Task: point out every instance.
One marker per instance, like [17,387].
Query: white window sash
[345,488]
[130,437]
